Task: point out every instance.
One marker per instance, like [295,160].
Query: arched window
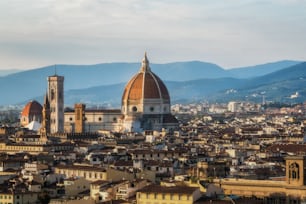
[294,171]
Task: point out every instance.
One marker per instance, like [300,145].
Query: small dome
[145,85]
[32,108]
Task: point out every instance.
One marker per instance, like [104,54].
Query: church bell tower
[56,100]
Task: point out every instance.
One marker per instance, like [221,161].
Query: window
[52,94]
[134,109]
[294,171]
[152,109]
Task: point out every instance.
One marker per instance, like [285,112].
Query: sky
[229,33]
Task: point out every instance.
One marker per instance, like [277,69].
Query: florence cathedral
[145,106]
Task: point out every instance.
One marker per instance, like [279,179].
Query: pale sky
[230,33]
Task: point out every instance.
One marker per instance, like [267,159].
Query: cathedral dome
[146,102]
[145,85]
[32,108]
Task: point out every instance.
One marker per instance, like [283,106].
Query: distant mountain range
[6,72]
[103,84]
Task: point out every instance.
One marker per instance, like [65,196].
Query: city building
[290,190]
[145,106]
[174,194]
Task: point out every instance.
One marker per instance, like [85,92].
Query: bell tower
[79,115]
[45,125]
[56,100]
[296,170]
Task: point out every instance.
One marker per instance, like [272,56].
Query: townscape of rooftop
[238,152]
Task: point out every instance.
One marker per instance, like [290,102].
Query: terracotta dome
[145,85]
[32,108]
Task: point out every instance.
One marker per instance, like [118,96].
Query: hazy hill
[93,83]
[6,72]
[262,69]
[277,86]
[29,84]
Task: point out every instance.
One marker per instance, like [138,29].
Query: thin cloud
[43,32]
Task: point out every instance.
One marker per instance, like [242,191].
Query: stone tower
[296,170]
[56,100]
[79,111]
[45,125]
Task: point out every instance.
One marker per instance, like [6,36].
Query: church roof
[145,85]
[34,125]
[32,108]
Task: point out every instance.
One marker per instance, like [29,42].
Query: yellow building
[18,197]
[32,149]
[155,194]
[92,173]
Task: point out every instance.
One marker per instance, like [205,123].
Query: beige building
[32,149]
[75,185]
[90,173]
[290,190]
[22,197]
[82,120]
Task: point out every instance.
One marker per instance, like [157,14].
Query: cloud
[42,32]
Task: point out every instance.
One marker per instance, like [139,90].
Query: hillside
[262,69]
[277,86]
[92,83]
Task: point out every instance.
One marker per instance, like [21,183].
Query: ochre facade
[293,187]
